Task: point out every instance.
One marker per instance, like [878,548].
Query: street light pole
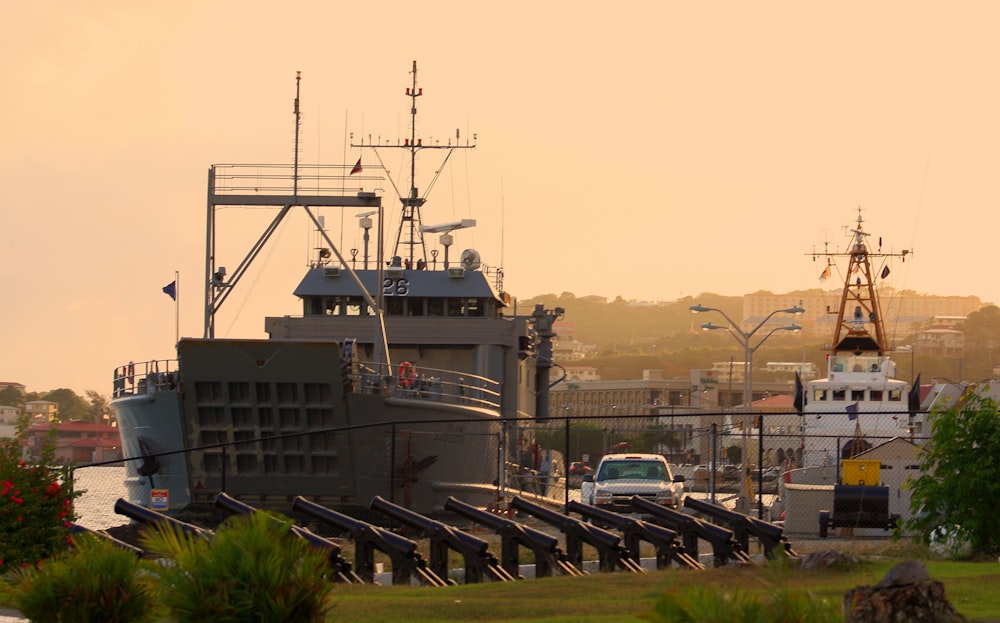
[744,338]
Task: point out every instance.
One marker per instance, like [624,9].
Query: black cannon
[480,564]
[338,563]
[150,517]
[406,560]
[104,536]
[513,535]
[858,506]
[610,553]
[724,546]
[744,526]
[635,530]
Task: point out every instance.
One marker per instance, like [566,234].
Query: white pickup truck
[620,476]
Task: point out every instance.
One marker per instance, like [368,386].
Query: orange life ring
[407,374]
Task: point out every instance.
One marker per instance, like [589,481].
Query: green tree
[71,406]
[959,483]
[12,397]
[99,410]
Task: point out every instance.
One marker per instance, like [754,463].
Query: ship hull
[268,420]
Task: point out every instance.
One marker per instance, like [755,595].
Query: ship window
[239,392]
[895,395]
[312,305]
[414,307]
[474,307]
[455,307]
[263,393]
[319,418]
[212,462]
[316,393]
[355,307]
[211,415]
[264,415]
[207,391]
[857,394]
[242,416]
[394,306]
[876,395]
[839,394]
[287,392]
[435,307]
[289,418]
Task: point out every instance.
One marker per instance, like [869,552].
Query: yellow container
[861,472]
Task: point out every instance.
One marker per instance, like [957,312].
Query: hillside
[630,338]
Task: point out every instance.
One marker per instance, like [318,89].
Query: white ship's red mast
[860,325]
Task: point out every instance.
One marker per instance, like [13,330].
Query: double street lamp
[745,338]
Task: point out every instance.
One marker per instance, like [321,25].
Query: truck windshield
[632,470]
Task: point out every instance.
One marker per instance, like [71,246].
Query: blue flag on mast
[852,411]
[171,290]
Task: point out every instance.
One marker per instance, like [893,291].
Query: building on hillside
[940,342]
[6,384]
[576,374]
[565,347]
[41,410]
[77,441]
[909,313]
[9,415]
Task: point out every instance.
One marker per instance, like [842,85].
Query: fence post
[712,461]
[566,468]
[760,468]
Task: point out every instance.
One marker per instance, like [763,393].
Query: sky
[649,150]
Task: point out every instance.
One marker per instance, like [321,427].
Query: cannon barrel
[634,530]
[770,535]
[355,527]
[151,517]
[513,534]
[367,538]
[236,507]
[479,562]
[531,536]
[75,528]
[724,545]
[610,552]
[430,528]
[597,536]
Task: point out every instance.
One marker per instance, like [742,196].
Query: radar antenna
[410,234]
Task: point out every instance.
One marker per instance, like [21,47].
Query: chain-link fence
[763,465]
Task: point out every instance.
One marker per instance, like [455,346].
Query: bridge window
[819,395]
[876,395]
[839,395]
[857,395]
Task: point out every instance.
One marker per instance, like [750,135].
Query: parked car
[621,476]
[770,474]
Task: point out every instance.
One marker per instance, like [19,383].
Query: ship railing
[858,363]
[146,377]
[435,384]
[281,179]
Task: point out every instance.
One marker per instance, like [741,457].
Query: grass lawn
[971,588]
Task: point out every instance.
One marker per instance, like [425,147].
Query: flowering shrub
[36,504]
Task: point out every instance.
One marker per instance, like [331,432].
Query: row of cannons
[674,535]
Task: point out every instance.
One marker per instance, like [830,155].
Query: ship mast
[410,235]
[860,325]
